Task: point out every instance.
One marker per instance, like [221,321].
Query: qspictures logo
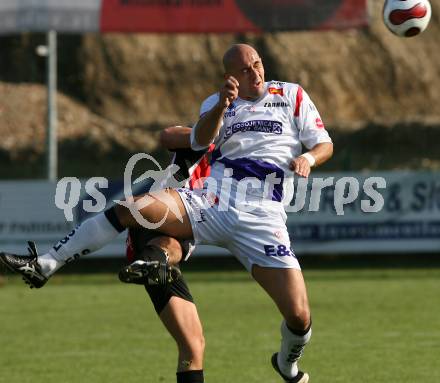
[162,179]
[309,194]
[68,191]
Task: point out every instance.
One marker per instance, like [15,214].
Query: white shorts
[258,237]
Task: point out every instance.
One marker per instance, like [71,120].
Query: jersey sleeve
[311,128]
[207,105]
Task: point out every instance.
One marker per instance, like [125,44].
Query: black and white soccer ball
[407,18]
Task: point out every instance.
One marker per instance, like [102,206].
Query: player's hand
[300,166]
[229,92]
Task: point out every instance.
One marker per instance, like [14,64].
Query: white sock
[88,237]
[292,347]
[48,264]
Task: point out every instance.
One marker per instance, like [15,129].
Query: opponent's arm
[209,124]
[176,137]
[316,156]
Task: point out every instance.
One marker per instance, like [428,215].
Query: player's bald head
[235,54]
[243,63]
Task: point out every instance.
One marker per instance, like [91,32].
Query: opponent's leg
[181,319]
[174,305]
[287,288]
[99,230]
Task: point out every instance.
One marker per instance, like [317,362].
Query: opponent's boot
[153,270]
[26,265]
[301,377]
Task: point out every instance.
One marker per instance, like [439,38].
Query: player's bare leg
[287,289]
[97,231]
[181,319]
[174,304]
[154,207]
[171,246]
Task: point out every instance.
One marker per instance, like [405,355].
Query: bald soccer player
[258,129]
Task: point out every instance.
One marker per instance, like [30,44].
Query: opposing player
[172,300]
[258,128]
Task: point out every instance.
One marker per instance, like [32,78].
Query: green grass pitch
[369,326]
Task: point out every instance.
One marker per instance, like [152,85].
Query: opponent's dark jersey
[193,165]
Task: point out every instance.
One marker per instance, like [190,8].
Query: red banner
[218,16]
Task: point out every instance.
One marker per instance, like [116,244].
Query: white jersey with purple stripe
[261,137]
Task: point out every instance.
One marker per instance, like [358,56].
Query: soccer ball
[407,18]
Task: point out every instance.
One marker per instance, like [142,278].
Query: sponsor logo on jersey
[264,126]
[278,251]
[277,83]
[198,213]
[319,124]
[281,104]
[279,91]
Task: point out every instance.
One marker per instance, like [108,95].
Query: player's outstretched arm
[319,154]
[209,124]
[176,137]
